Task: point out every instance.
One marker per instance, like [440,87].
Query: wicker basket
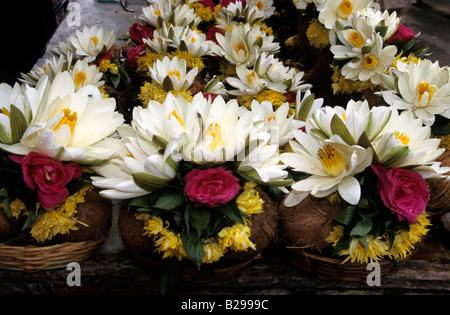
[333,269]
[37,258]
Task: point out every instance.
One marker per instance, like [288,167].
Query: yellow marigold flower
[102,90]
[104,65]
[335,235]
[404,240]
[236,237]
[146,61]
[153,91]
[191,61]
[376,249]
[17,208]
[213,251]
[153,226]
[341,85]
[202,12]
[60,220]
[411,58]
[249,201]
[170,245]
[318,35]
[276,98]
[445,141]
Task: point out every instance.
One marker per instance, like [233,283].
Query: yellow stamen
[344,117]
[95,40]
[402,137]
[260,5]
[174,72]
[270,116]
[157,12]
[249,78]
[332,161]
[214,130]
[241,46]
[79,79]
[193,40]
[177,117]
[356,39]
[370,62]
[69,118]
[345,9]
[426,87]
[4,111]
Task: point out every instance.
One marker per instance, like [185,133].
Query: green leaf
[170,200]
[199,218]
[167,84]
[18,124]
[305,107]
[170,275]
[342,244]
[232,211]
[115,79]
[338,127]
[140,202]
[362,226]
[346,215]
[193,246]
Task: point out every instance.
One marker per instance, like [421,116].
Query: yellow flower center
[69,119]
[176,73]
[260,5]
[79,79]
[356,39]
[345,9]
[214,130]
[5,112]
[241,46]
[177,117]
[426,87]
[249,78]
[157,12]
[370,62]
[270,116]
[332,161]
[402,137]
[95,40]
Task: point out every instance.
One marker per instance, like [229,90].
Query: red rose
[211,186]
[403,191]
[211,34]
[133,55]
[403,33]
[47,176]
[207,4]
[139,32]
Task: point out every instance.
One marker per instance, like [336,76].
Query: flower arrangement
[47,142]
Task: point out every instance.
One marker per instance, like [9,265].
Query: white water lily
[164,12]
[158,44]
[62,126]
[333,10]
[423,89]
[91,42]
[306,105]
[51,67]
[265,6]
[137,171]
[84,74]
[248,82]
[405,142]
[171,74]
[332,166]
[18,105]
[372,65]
[186,39]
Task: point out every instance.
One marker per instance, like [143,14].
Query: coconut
[308,224]
[440,191]
[9,227]
[94,218]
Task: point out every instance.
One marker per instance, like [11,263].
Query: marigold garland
[60,220]
[234,238]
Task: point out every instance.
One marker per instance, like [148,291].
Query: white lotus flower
[50,68]
[332,167]
[18,105]
[423,89]
[139,170]
[171,74]
[69,125]
[184,38]
[92,42]
[372,65]
[265,6]
[84,74]
[247,83]
[404,141]
[158,44]
[333,10]
[167,13]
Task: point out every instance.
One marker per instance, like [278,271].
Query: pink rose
[403,191]
[139,32]
[403,33]
[211,186]
[47,176]
[133,55]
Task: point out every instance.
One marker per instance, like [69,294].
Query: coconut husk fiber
[94,220]
[439,201]
[308,224]
[263,231]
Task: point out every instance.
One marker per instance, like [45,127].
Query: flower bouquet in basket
[50,137]
[364,192]
[191,175]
